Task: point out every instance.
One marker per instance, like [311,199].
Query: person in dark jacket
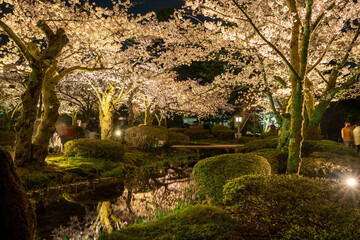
[91,128]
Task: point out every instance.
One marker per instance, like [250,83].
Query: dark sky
[145,6]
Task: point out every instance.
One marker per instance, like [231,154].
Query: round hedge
[310,146]
[146,137]
[95,148]
[197,133]
[178,138]
[293,207]
[211,174]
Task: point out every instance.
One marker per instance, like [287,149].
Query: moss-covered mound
[276,159]
[329,165]
[328,146]
[259,144]
[193,222]
[211,174]
[291,207]
[95,148]
[146,137]
[178,138]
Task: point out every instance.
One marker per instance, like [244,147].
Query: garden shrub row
[211,174]
[146,137]
[95,148]
[293,207]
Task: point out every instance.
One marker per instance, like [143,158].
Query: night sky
[145,6]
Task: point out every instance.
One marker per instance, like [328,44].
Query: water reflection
[147,195]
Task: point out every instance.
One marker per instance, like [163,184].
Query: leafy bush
[328,146]
[146,137]
[220,128]
[193,222]
[178,138]
[292,207]
[197,133]
[95,148]
[225,134]
[328,165]
[211,174]
[181,130]
[259,144]
[276,159]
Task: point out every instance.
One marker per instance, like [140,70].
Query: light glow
[351,182]
[117,132]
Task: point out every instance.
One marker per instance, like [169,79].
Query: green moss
[95,148]
[146,137]
[276,159]
[193,222]
[292,207]
[328,146]
[177,138]
[211,174]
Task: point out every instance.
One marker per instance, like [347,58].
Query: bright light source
[238,119]
[117,132]
[351,182]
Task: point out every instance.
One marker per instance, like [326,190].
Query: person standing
[91,128]
[356,134]
[347,134]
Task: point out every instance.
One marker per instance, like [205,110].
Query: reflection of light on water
[138,202]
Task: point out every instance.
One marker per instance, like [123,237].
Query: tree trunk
[6,121]
[74,118]
[25,125]
[295,140]
[106,121]
[283,142]
[149,116]
[46,128]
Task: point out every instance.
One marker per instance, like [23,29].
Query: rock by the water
[17,215]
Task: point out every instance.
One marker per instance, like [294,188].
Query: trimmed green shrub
[197,133]
[193,222]
[276,159]
[259,144]
[146,137]
[292,207]
[95,148]
[181,130]
[328,146]
[328,165]
[178,138]
[224,134]
[211,174]
[220,128]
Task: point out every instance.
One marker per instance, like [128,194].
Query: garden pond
[84,210]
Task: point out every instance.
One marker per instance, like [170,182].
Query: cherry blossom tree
[306,37]
[57,38]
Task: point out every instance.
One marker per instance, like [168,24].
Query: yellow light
[117,132]
[351,182]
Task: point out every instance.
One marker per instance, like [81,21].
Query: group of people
[351,135]
[66,132]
